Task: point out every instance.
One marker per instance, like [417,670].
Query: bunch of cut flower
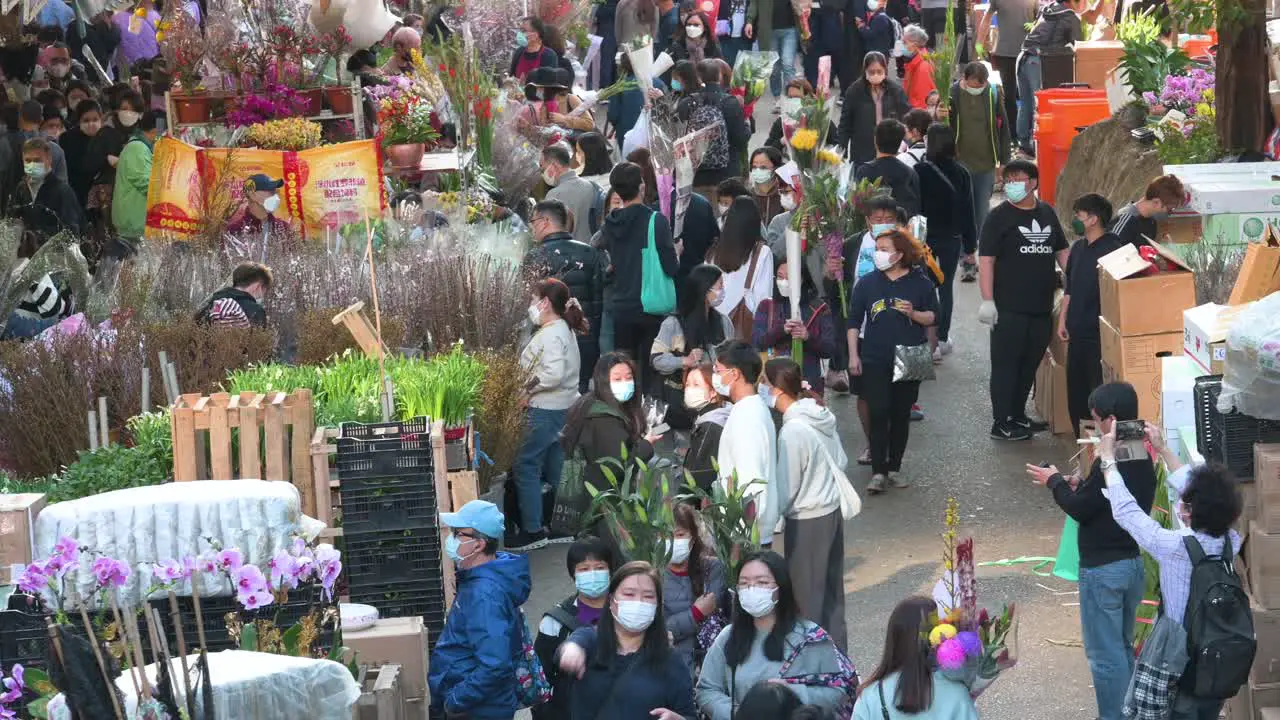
[943,56]
[751,73]
[293,133]
[405,117]
[969,645]
[592,98]
[818,206]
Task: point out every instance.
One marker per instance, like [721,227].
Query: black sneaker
[1033,426]
[525,542]
[1007,430]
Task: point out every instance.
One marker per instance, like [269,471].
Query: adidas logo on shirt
[1037,236]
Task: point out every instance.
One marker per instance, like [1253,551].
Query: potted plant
[404,121]
[293,134]
[183,48]
[334,44]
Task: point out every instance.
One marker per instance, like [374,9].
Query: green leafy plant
[1199,145]
[730,517]
[943,56]
[114,467]
[1146,61]
[637,508]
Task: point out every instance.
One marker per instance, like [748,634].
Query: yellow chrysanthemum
[941,633]
[829,156]
[140,12]
[1204,110]
[804,139]
[1208,96]
[160,36]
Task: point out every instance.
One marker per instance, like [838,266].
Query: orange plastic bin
[1059,111]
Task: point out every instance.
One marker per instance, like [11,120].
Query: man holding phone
[1112,576]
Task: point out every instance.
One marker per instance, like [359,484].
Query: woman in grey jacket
[693,584]
[767,634]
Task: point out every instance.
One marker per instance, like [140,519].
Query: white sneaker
[937,355]
[945,347]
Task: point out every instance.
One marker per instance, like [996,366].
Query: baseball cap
[264,183]
[480,515]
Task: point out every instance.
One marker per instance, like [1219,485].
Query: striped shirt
[1163,545]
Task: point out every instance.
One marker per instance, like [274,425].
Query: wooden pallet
[273,432]
[381,696]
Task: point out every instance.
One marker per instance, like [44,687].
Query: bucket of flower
[969,645]
[184,50]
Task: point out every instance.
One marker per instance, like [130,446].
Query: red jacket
[919,81]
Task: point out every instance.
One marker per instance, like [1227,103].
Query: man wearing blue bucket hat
[473,672]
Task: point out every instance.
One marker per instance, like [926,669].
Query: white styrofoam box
[1178,375]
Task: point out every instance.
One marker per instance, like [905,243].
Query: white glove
[987,313]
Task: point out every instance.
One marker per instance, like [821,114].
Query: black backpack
[706,113]
[1220,639]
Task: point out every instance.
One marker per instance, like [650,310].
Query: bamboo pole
[104,424]
[135,644]
[102,665]
[169,392]
[93,429]
[176,616]
[124,633]
[377,322]
[146,389]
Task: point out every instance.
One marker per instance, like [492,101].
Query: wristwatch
[1107,464]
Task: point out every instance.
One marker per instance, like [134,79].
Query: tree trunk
[1241,94]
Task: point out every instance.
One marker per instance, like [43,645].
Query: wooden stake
[135,644]
[387,402]
[93,430]
[172,371]
[195,600]
[124,633]
[102,665]
[169,392]
[176,616]
[104,424]
[146,389]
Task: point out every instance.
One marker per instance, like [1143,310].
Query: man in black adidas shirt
[1021,240]
[1078,318]
[1137,221]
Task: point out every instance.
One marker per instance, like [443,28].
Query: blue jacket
[473,664]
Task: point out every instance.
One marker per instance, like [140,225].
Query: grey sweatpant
[815,559]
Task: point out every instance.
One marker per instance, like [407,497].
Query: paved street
[893,548]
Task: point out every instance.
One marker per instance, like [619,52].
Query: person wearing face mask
[765,162]
[403,43]
[872,98]
[552,360]
[31,117]
[693,582]
[257,219]
[239,305]
[625,666]
[726,192]
[688,336]
[693,41]
[797,89]
[982,135]
[876,29]
[92,145]
[1081,303]
[472,667]
[774,330]
[890,307]
[901,180]
[747,263]
[749,443]
[56,59]
[591,562]
[531,53]
[918,80]
[1136,222]
[711,411]
[813,494]
[42,201]
[1018,249]
[768,631]
[1112,573]
[133,179]
[946,191]
[577,195]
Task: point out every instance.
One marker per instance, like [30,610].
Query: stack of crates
[390,520]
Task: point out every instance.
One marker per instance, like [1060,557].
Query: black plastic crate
[213,611]
[389,503]
[1205,395]
[378,558]
[1234,437]
[424,598]
[358,460]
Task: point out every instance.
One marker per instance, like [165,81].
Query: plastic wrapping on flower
[751,73]
[59,258]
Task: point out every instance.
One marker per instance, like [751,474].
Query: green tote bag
[657,290]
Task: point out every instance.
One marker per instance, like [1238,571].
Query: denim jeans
[1029,81]
[1109,598]
[983,185]
[25,327]
[540,460]
[1189,707]
[731,46]
[786,42]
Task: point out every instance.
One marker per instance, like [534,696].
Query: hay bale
[1106,160]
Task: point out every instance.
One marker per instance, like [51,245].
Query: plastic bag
[1251,378]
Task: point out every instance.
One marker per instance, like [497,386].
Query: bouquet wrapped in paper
[640,53]
[802,9]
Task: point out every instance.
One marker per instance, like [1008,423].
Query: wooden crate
[273,430]
[382,695]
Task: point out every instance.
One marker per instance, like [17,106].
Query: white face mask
[884,260]
[634,615]
[975,90]
[788,201]
[271,204]
[784,287]
[758,602]
[128,118]
[718,383]
[550,178]
[695,398]
[716,297]
[761,176]
[873,5]
[679,549]
[535,314]
[693,31]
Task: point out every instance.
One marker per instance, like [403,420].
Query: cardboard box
[1266,663]
[18,515]
[1266,473]
[1259,271]
[1057,346]
[1242,192]
[1264,569]
[1263,696]
[1178,375]
[1137,361]
[1044,389]
[1269,713]
[1204,335]
[401,641]
[1249,512]
[1084,460]
[1094,59]
[1060,420]
[1240,707]
[1137,304]
[1180,228]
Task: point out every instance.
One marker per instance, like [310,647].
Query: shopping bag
[1067,565]
[572,498]
[657,290]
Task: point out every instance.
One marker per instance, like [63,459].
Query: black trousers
[634,335]
[839,317]
[588,354]
[827,39]
[1018,342]
[1007,67]
[947,252]
[1084,374]
[889,406]
[934,22]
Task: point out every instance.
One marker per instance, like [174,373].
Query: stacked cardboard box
[17,527]
[400,641]
[1260,566]
[1141,320]
[1051,382]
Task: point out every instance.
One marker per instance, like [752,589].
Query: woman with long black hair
[747,263]
[625,667]
[695,583]
[687,338]
[767,633]
[774,329]
[608,420]
[904,684]
[945,189]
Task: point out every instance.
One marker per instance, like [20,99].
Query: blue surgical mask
[35,170]
[677,86]
[592,583]
[877,228]
[451,546]
[766,394]
[622,389]
[1015,191]
[522,40]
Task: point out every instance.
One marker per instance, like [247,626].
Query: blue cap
[480,515]
[264,183]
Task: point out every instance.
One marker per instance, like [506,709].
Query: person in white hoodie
[809,491]
[552,360]
[748,444]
